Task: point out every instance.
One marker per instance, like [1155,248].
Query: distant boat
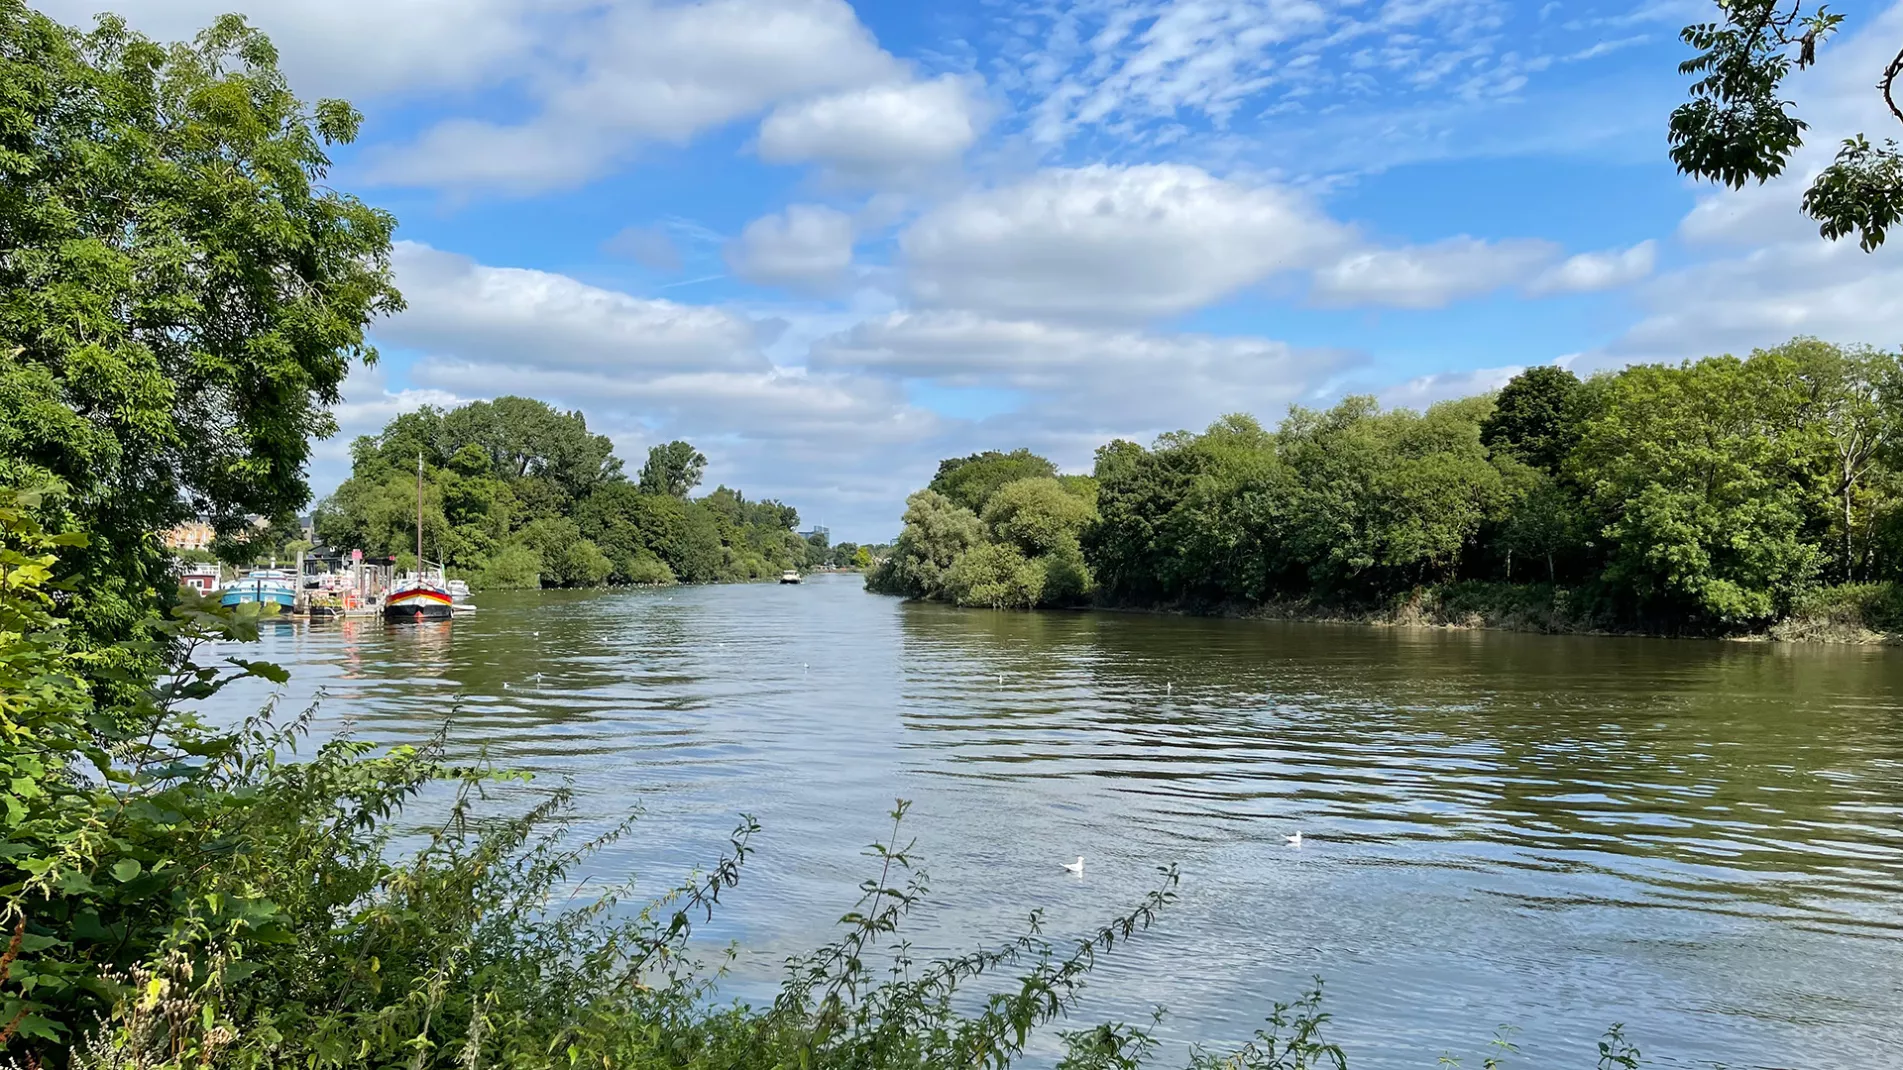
[266,586]
[458,591]
[202,578]
[791,575]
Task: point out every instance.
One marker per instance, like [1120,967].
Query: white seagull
[1076,867]
[1294,839]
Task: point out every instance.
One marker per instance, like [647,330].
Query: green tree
[1037,515]
[181,293]
[971,481]
[1697,477]
[937,533]
[994,576]
[1532,418]
[1738,128]
[568,558]
[1854,406]
[673,469]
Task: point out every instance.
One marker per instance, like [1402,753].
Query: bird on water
[1077,866]
[1294,839]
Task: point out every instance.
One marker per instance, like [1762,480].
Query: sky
[830,243]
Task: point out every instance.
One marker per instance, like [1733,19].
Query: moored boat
[423,594]
[418,596]
[202,577]
[265,586]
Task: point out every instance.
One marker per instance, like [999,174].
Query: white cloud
[1112,242]
[1429,276]
[356,48]
[649,71]
[1092,381]
[807,247]
[1425,390]
[1589,272]
[498,315]
[1835,291]
[881,134]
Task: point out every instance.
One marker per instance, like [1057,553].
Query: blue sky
[832,242]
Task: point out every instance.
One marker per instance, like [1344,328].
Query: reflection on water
[1702,840]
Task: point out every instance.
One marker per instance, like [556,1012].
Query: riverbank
[1853,614]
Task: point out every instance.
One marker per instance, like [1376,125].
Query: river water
[1701,840]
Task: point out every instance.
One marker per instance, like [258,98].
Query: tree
[937,533]
[1531,420]
[1737,129]
[673,469]
[1855,404]
[971,481]
[1037,515]
[181,295]
[1698,478]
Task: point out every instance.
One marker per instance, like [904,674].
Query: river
[1701,840]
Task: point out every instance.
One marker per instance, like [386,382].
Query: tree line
[517,493]
[1718,494]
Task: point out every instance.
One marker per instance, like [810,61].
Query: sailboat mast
[419,514]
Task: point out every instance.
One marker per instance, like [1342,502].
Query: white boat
[791,575]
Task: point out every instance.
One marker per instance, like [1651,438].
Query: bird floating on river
[1077,866]
[1294,839]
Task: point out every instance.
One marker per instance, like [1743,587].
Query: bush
[995,576]
[513,568]
[646,570]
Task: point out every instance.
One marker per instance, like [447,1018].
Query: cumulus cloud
[882,134]
[1588,272]
[1102,381]
[1112,242]
[1425,390]
[1429,276]
[503,315]
[644,371]
[649,71]
[326,51]
[807,247]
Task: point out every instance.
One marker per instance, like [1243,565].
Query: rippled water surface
[1701,840]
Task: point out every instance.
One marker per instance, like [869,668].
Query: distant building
[817,530]
[191,535]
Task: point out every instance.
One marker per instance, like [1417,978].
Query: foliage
[1706,497]
[674,469]
[1736,128]
[181,293]
[1024,552]
[517,493]
[1533,419]
[971,481]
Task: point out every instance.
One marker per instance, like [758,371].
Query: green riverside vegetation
[519,494]
[1717,496]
